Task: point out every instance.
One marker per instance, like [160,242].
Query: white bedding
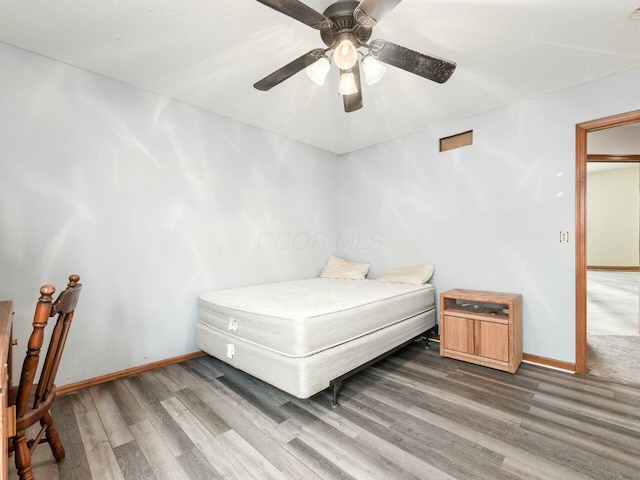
[303,317]
[301,335]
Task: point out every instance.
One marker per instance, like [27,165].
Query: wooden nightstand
[482,327]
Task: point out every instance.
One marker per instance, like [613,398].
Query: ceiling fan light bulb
[347,84]
[317,71]
[373,69]
[345,55]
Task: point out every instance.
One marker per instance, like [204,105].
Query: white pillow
[341,269]
[416,275]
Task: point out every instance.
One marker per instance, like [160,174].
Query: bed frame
[336,383]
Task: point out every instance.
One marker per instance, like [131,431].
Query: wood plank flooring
[414,415]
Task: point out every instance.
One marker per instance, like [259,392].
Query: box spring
[303,376]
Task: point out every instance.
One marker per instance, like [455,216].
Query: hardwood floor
[414,415]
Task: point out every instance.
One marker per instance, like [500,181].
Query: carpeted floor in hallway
[613,343]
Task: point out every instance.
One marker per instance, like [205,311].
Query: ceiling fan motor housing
[341,14]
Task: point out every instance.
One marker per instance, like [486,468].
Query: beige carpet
[614,357]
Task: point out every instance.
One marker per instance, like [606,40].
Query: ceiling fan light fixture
[373,69]
[345,28]
[345,54]
[318,71]
[347,83]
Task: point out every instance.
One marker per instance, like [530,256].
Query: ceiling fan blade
[427,66]
[289,70]
[353,101]
[370,12]
[301,12]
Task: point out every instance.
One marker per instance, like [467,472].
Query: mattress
[304,317]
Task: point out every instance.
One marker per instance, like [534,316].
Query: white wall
[489,215]
[151,202]
[613,214]
[623,140]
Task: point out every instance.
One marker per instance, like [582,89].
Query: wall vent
[456,141]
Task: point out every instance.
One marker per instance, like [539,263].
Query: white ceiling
[210,53]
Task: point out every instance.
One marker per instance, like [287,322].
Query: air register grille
[456,141]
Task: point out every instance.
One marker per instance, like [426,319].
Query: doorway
[613,250]
[581,222]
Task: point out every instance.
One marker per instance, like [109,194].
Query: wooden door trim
[599,157]
[615,268]
[581,234]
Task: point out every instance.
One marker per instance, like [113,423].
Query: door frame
[581,224]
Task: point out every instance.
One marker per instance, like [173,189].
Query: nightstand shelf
[482,327]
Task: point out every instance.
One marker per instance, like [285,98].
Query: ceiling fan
[345,26]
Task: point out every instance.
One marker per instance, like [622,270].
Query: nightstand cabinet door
[492,340]
[459,336]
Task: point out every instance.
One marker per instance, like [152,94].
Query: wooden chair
[33,401]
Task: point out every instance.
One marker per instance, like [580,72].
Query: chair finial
[46,291]
[73,280]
